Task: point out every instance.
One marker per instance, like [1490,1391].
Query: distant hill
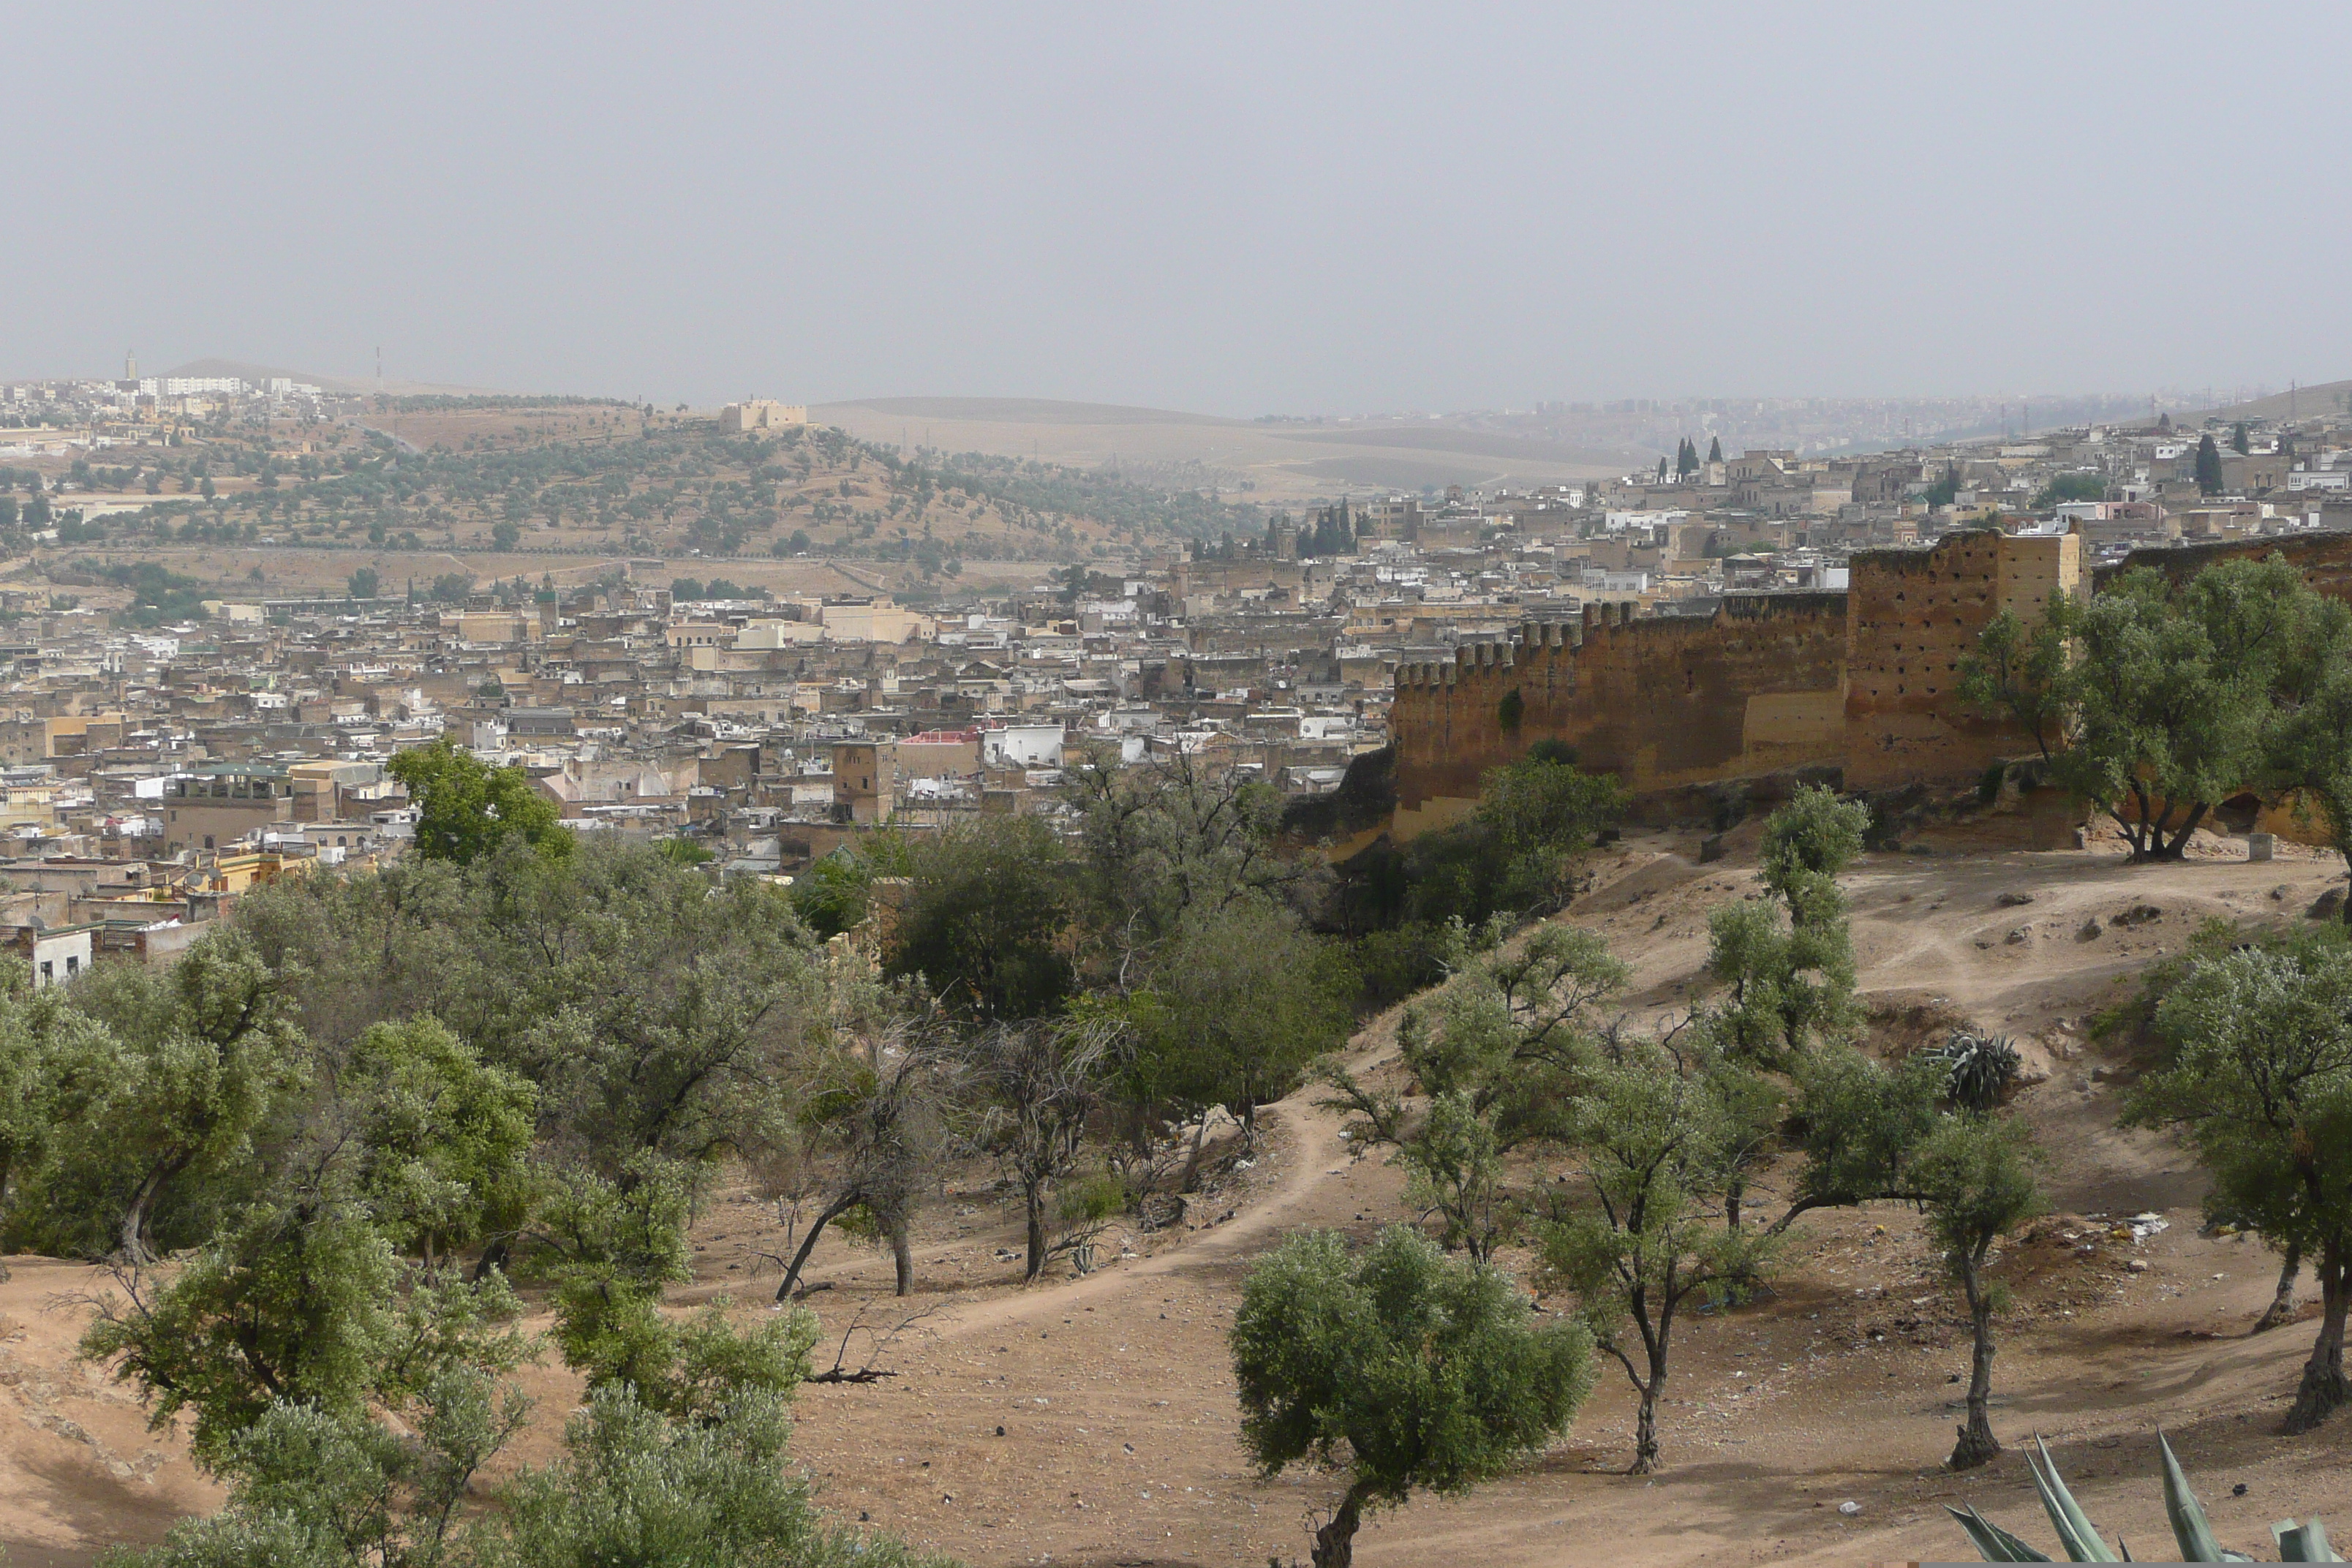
[245,371]
[1021,411]
[2328,396]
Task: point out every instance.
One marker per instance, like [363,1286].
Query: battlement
[1862,681]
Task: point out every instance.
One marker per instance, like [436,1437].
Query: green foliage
[1499,1051]
[1247,999]
[1976,1178]
[1977,1069]
[466,808]
[1408,1371]
[2153,702]
[158,596]
[444,1136]
[1787,958]
[185,1068]
[2078,487]
[635,1485]
[683,851]
[831,895]
[1510,712]
[1163,842]
[1658,1134]
[985,919]
[2208,466]
[1517,855]
[364,582]
[293,1300]
[2258,1077]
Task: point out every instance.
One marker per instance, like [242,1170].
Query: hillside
[484,486]
[1271,460]
[1092,1419]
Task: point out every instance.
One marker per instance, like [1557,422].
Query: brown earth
[1115,1400]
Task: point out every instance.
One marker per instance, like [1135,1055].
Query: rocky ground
[1091,1419]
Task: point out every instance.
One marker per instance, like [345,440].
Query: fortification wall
[1867,682]
[1915,614]
[1662,703]
[2324,559]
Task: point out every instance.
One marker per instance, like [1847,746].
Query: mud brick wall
[2325,558]
[1662,703]
[1866,681]
[1915,614]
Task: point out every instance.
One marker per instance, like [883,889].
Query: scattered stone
[1849,1507]
[2090,932]
[2327,906]
[2017,936]
[2138,1266]
[2137,915]
[1710,850]
[2011,900]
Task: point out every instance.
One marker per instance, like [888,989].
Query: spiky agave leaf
[2076,1535]
[1994,1543]
[2189,1526]
[2306,1543]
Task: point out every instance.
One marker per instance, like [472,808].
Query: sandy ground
[1091,1420]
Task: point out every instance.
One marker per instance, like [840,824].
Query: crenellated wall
[1662,703]
[1863,681]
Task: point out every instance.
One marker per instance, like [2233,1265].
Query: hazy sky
[1236,209]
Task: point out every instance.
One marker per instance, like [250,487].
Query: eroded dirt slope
[1092,1421]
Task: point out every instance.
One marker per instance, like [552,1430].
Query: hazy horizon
[1221,210]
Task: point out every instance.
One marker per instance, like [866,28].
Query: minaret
[129,366]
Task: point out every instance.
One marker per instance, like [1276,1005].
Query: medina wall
[2324,559]
[1915,614]
[1865,681]
[1664,703]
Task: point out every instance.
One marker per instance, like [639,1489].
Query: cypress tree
[1714,449]
[2208,465]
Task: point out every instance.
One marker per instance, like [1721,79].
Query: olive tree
[1657,1134]
[1976,1174]
[1498,1054]
[2259,1081]
[1405,1371]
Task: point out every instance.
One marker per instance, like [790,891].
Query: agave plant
[2304,1542]
[1977,1069]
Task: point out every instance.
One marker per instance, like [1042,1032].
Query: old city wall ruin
[1863,682]
[1666,703]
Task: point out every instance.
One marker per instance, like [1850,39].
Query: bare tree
[873,1115]
[1030,1089]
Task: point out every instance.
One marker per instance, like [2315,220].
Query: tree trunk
[1335,1543]
[1731,1199]
[1034,1199]
[808,1243]
[2324,1388]
[494,1256]
[1645,1425]
[1977,1445]
[902,1255]
[2282,1307]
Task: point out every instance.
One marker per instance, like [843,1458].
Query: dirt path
[1114,1399]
